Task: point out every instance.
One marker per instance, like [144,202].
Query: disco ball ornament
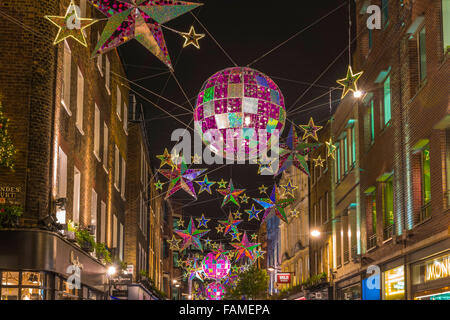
[235,107]
[215,291]
[216,268]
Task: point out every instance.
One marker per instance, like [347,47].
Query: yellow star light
[192,38]
[174,243]
[237,215]
[222,184]
[180,223]
[310,130]
[294,213]
[318,162]
[244,198]
[349,82]
[175,157]
[254,237]
[262,189]
[331,149]
[196,159]
[214,245]
[166,159]
[71,25]
[219,228]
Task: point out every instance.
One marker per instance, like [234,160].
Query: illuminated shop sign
[283,278]
[437,268]
[394,283]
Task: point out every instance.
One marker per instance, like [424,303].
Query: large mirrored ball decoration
[216,266]
[215,291]
[235,107]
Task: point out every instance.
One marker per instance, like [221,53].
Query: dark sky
[246,30]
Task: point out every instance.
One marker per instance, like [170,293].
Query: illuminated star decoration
[140,20]
[349,82]
[202,221]
[207,242]
[245,248]
[158,185]
[175,156]
[237,215]
[181,178]
[310,130]
[236,236]
[196,159]
[214,246]
[294,152]
[230,194]
[174,243]
[222,184]
[191,236]
[274,205]
[218,250]
[244,198]
[230,224]
[318,162]
[71,25]
[294,213]
[219,228]
[180,223]
[205,185]
[289,188]
[259,253]
[254,237]
[166,159]
[265,167]
[192,38]
[331,149]
[262,189]
[195,271]
[253,213]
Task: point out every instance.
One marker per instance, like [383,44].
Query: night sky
[246,30]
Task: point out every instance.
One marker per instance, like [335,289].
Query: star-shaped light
[331,149]
[140,20]
[205,185]
[192,38]
[289,188]
[310,130]
[158,185]
[71,25]
[254,237]
[259,254]
[180,223]
[265,167]
[244,198]
[219,228]
[191,236]
[222,184]
[196,159]
[245,248]
[294,152]
[294,213]
[181,178]
[231,255]
[253,213]
[175,156]
[318,162]
[166,159]
[174,243]
[235,268]
[218,250]
[230,224]
[237,215]
[236,236]
[262,189]
[202,221]
[350,81]
[214,245]
[275,204]
[230,194]
[207,242]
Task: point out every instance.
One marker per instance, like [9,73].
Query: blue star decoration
[275,204]
[253,213]
[202,221]
[205,185]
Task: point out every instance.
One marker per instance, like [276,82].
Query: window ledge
[106,169]
[97,156]
[108,90]
[418,224]
[66,108]
[387,240]
[79,129]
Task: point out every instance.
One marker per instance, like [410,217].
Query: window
[103,223]
[97,133]
[353,145]
[122,189]
[121,242]
[387,100]
[107,75]
[99,58]
[114,231]
[119,103]
[80,101]
[61,174]
[94,213]
[426,183]
[76,196]
[422,54]
[83,8]
[315,215]
[105,147]
[327,216]
[372,212]
[345,151]
[446,24]
[141,209]
[370,39]
[65,94]
[338,244]
[142,163]
[125,118]
[385,12]
[388,207]
[338,162]
[372,122]
[320,211]
[116,167]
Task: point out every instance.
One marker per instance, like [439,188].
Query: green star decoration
[158,185]
[222,184]
[230,194]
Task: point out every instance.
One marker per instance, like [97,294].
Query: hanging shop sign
[431,269]
[394,283]
[9,194]
[283,278]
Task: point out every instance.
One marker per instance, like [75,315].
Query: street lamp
[315,233]
[357,94]
[174,281]
[271,269]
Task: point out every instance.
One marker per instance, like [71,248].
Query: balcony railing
[371,241]
[388,232]
[425,212]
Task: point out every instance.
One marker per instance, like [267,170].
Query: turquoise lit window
[385,11]
[372,122]
[422,55]
[345,151]
[338,163]
[353,146]
[387,100]
[388,202]
[370,39]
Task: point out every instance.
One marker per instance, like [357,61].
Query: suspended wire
[151,76]
[295,35]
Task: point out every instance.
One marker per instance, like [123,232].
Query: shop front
[42,265]
[394,283]
[349,289]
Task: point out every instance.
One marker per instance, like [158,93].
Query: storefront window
[351,293]
[394,284]
[430,270]
[23,285]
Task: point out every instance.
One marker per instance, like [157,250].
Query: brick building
[68,123]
